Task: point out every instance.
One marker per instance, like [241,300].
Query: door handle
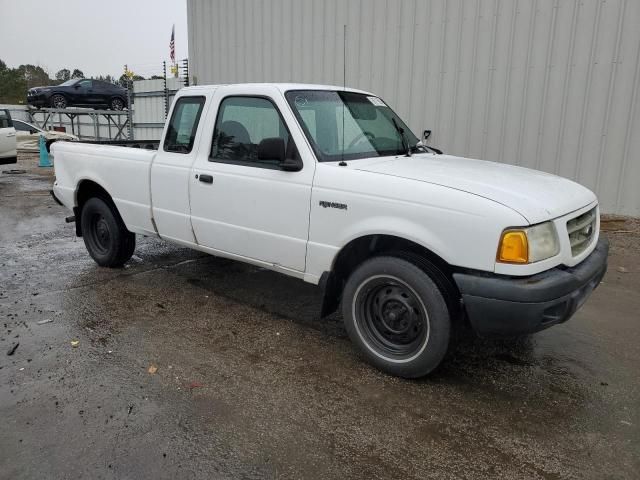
[205,178]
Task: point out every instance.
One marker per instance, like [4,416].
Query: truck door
[7,138]
[171,170]
[240,204]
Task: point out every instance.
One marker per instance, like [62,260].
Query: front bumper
[503,305]
[38,100]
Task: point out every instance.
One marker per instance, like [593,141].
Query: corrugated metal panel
[547,84]
[149,106]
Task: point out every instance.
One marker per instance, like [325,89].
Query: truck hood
[537,196]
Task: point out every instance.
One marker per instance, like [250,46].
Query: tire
[58,101]
[106,237]
[397,316]
[116,103]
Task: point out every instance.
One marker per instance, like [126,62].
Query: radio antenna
[344,58]
[344,84]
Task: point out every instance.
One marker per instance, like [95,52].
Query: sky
[99,37]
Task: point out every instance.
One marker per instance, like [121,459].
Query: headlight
[528,245]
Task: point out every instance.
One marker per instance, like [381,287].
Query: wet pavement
[251,384]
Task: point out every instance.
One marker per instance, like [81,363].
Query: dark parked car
[79,92]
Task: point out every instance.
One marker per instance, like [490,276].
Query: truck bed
[121,170]
[145,144]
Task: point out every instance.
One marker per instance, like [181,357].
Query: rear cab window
[181,132]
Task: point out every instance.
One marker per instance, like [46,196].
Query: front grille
[582,231]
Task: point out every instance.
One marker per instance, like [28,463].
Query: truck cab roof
[283,87]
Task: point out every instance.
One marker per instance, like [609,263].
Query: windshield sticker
[300,101]
[376,101]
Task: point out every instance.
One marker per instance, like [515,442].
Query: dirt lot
[251,384]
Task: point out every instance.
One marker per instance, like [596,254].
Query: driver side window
[242,123]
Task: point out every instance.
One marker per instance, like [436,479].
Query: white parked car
[330,186]
[8,152]
[28,136]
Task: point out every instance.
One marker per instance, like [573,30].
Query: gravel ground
[182,365]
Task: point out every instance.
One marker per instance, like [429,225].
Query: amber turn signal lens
[513,247]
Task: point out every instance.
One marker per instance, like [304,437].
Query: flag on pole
[172,45]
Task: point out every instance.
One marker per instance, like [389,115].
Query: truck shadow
[162,295]
[300,303]
[265,290]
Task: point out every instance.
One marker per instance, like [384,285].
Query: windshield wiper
[405,142]
[419,148]
[426,149]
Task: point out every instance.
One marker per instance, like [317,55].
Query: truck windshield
[346,125]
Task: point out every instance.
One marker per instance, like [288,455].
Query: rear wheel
[398,317]
[116,104]
[106,237]
[58,101]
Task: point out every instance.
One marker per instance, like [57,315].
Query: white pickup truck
[329,185]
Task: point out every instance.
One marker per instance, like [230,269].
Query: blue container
[45,161]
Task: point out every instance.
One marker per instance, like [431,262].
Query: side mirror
[426,134]
[32,131]
[292,164]
[272,149]
[76,86]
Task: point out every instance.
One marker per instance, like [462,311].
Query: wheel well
[363,248]
[86,190]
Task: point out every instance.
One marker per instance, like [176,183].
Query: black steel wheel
[58,101]
[116,104]
[106,237]
[391,316]
[395,312]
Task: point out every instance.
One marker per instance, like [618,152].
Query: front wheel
[106,237]
[58,101]
[398,317]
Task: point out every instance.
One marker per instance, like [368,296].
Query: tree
[123,81]
[77,73]
[13,87]
[106,78]
[63,75]
[33,75]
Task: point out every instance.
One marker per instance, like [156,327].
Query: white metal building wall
[547,84]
